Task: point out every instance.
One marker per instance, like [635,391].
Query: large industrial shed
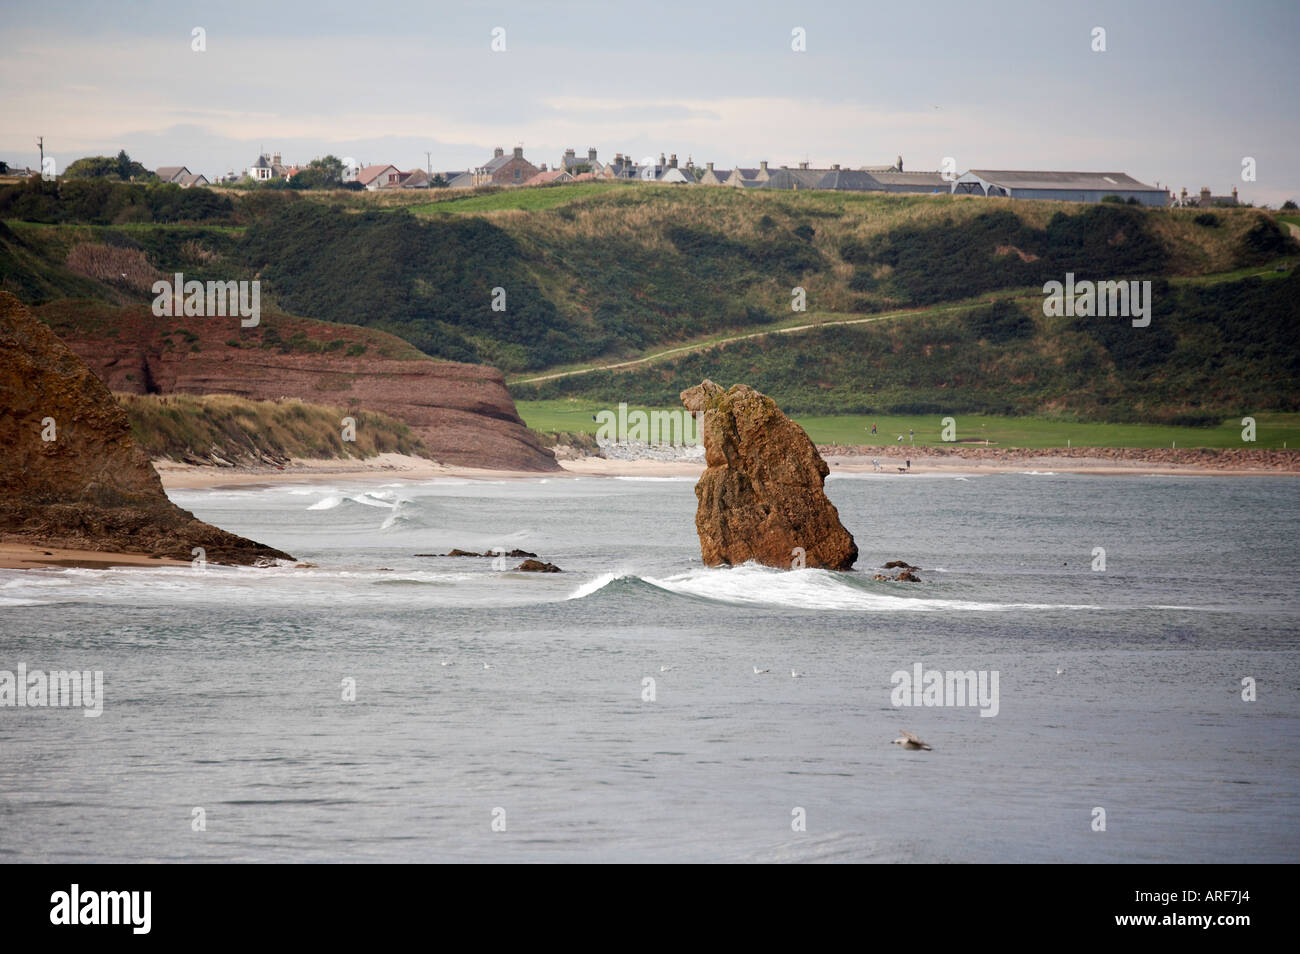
[1063,186]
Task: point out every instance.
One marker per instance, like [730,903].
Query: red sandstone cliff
[70,473]
[462,412]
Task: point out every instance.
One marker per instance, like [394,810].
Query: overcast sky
[1183,92]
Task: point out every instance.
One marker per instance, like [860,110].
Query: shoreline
[28,556]
[1095,462]
[19,555]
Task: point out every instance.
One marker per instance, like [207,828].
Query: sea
[1135,641]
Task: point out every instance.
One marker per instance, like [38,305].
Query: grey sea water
[223,688]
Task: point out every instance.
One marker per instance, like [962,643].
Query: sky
[1182,94]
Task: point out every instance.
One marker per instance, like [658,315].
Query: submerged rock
[537,566]
[761,497]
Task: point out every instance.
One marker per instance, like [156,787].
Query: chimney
[709,165]
[803,165]
[662,162]
[835,167]
[276,159]
[519,152]
[763,165]
[1205,195]
[498,152]
[900,163]
[1234,194]
[591,155]
[672,161]
[543,169]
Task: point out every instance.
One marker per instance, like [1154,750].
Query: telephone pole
[428,157]
[40,141]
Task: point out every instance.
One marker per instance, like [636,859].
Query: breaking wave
[752,585]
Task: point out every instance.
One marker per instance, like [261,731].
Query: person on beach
[873,429]
[909,463]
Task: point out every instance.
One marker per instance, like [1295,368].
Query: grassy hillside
[596,273]
[1212,351]
[189,427]
[572,416]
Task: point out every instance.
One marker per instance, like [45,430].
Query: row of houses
[514,169]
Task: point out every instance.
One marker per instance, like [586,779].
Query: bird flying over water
[759,672]
[910,741]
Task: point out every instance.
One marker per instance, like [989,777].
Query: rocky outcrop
[463,413]
[761,497]
[70,473]
[538,566]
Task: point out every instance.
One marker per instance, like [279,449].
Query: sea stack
[761,495]
[70,473]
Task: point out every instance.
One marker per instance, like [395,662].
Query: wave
[383,499]
[752,585]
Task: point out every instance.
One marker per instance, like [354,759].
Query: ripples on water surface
[223,687]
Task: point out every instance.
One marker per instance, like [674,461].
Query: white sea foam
[803,589]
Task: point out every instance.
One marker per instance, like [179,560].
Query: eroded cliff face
[462,412]
[760,496]
[70,473]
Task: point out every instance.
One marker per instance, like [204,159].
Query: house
[1062,186]
[742,178]
[378,177]
[1207,201]
[572,162]
[849,180]
[415,179]
[896,180]
[794,179]
[171,173]
[505,170]
[548,177]
[713,176]
[267,167]
[670,174]
[621,168]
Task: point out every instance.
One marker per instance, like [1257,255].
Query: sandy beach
[398,466]
[23,556]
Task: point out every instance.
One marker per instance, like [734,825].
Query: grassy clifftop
[214,427]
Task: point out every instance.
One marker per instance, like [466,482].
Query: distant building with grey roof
[1062,186]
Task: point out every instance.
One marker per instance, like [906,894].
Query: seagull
[909,741]
[1059,670]
[664,668]
[759,672]
[487,665]
[795,675]
[447,663]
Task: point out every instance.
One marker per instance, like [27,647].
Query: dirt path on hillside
[707,345]
[793,329]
